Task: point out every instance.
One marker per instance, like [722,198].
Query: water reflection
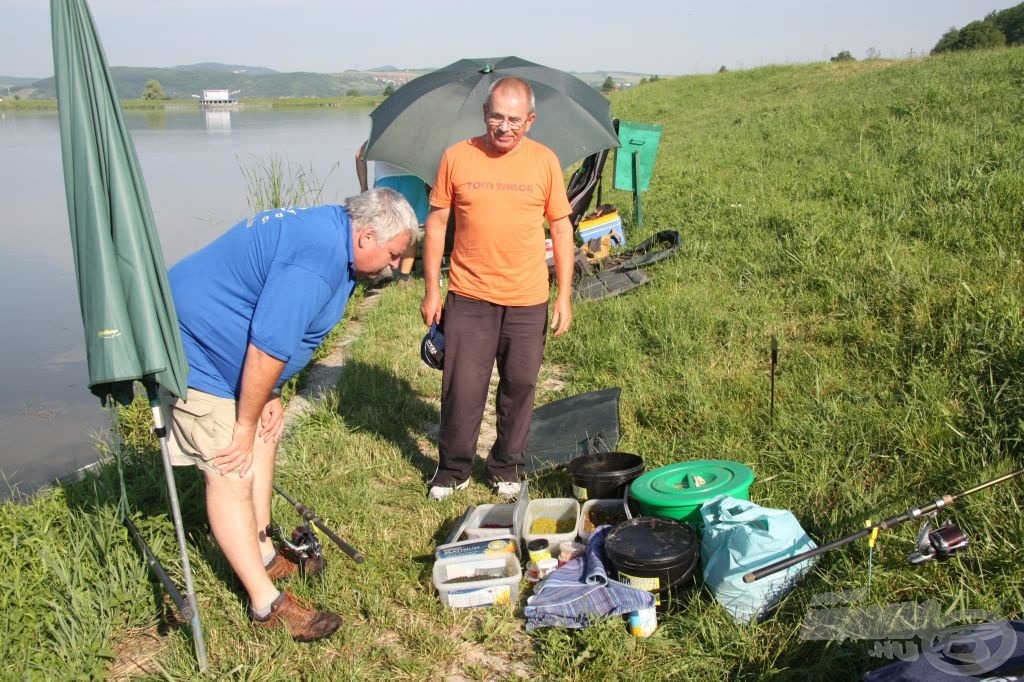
[218,120]
[157,119]
[48,417]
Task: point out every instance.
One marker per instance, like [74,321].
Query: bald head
[510,85]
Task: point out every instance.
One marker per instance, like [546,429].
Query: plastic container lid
[690,484]
[537,545]
[651,543]
[519,515]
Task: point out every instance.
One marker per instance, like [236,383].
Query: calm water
[192,163]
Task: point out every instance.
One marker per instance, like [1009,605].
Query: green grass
[866,214]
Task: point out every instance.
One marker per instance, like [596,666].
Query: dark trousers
[476,334]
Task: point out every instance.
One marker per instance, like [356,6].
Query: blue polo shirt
[279,280]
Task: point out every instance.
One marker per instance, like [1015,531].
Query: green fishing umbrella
[131,329]
[413,126]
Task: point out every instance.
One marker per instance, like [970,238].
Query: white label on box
[483,547]
[480,597]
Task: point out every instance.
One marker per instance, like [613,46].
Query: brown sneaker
[282,567]
[303,623]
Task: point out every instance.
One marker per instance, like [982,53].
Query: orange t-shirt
[500,202]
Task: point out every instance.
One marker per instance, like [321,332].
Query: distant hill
[213,67]
[15,81]
[181,82]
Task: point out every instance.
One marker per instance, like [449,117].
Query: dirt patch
[135,656]
[548,383]
[473,656]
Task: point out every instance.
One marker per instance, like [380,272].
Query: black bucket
[654,554]
[604,474]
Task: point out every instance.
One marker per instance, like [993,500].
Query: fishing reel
[303,548]
[937,542]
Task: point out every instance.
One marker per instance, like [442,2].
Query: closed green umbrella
[415,124]
[131,329]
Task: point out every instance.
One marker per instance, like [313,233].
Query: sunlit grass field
[867,215]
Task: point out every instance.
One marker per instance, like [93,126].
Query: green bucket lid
[677,490]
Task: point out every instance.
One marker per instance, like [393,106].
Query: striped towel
[579,592]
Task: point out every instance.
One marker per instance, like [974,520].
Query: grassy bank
[867,215]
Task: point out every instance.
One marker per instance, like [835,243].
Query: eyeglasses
[497,119]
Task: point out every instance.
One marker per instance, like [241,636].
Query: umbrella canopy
[131,328]
[412,128]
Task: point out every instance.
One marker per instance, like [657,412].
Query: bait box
[492,580]
[495,520]
[561,510]
[612,510]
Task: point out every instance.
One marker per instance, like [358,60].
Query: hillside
[181,82]
[844,316]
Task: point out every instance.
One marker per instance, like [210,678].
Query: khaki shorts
[197,427]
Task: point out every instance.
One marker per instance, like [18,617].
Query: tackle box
[465,582]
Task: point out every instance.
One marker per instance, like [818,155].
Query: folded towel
[580,592]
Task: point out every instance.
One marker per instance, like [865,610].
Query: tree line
[997,29]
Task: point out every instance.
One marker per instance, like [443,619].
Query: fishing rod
[184,608]
[310,516]
[932,543]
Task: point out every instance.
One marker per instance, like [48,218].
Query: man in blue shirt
[252,307]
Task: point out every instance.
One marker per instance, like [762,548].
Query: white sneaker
[508,490]
[443,492]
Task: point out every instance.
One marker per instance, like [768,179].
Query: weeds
[270,183]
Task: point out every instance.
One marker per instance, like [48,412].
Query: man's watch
[276,391]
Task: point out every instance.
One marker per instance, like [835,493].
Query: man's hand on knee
[238,454]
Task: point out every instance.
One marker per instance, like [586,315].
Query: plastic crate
[466,582]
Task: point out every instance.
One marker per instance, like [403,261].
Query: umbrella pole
[197,628]
[638,211]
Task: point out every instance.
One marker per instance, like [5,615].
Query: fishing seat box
[607,224]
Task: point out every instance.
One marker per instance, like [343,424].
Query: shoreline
[353,102]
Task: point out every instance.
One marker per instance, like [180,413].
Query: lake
[192,161]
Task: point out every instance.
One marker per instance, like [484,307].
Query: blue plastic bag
[739,537]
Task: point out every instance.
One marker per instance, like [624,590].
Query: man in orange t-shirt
[501,187]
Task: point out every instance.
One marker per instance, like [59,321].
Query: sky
[654,37]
